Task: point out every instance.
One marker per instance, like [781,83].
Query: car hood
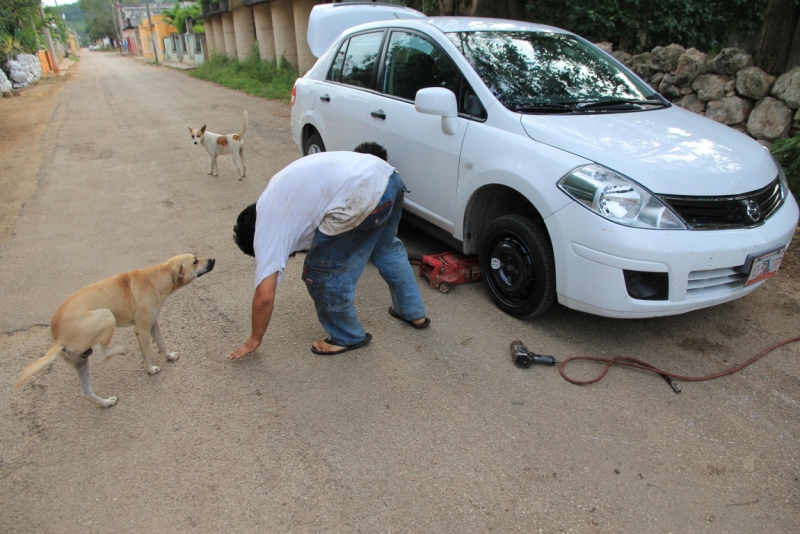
[669,151]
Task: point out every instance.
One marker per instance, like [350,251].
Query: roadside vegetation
[787,152]
[267,79]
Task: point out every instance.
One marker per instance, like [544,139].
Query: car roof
[327,21]
[467,24]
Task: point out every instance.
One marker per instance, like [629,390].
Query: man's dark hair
[372,148]
[244,232]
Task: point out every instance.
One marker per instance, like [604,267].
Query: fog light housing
[642,285]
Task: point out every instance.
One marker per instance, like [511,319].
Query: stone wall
[725,87]
[24,70]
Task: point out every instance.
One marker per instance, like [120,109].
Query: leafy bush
[268,79]
[787,152]
[635,25]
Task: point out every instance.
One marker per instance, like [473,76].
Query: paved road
[432,431]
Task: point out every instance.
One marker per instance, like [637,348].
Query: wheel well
[487,204]
[308,131]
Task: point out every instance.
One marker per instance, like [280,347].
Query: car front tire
[518,268]
[314,145]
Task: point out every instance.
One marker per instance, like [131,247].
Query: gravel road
[421,431]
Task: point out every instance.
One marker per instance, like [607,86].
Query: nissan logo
[753,210]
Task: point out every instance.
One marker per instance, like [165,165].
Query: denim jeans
[334,264]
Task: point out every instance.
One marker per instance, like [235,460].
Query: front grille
[741,211]
[703,283]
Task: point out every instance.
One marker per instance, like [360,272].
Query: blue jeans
[334,264]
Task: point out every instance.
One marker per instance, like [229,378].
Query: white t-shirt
[332,191]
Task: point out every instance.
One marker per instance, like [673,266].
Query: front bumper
[591,253]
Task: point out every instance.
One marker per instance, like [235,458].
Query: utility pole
[49,42]
[115,23]
[152,30]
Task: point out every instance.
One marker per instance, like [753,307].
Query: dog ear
[190,129]
[177,271]
[203,129]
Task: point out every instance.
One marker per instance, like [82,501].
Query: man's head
[372,148]
[244,232]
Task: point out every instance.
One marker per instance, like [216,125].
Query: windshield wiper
[618,104]
[542,107]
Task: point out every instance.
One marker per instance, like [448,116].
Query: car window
[360,60]
[335,73]
[413,63]
[542,68]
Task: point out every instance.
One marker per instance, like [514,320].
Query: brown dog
[88,318]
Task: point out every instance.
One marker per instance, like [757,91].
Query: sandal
[425,324]
[358,345]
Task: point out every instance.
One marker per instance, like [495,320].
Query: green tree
[19,26]
[177,17]
[99,21]
[643,24]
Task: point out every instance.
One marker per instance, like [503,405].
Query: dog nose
[211,262]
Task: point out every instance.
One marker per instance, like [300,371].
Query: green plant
[641,24]
[787,152]
[268,79]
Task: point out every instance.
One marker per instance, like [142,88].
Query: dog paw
[153,369]
[109,402]
[172,357]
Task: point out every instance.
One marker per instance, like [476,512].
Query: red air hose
[644,366]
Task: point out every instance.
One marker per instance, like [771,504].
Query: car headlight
[618,199]
[782,178]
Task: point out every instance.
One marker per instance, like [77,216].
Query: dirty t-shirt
[332,191]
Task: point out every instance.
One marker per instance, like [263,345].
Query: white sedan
[570,177]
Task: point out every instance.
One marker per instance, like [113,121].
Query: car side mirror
[439,101]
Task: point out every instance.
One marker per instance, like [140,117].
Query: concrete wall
[262,16]
[219,36]
[209,25]
[283,29]
[302,10]
[229,34]
[244,30]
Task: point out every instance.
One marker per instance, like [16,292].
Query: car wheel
[314,145]
[518,267]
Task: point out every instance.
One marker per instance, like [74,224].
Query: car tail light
[294,94]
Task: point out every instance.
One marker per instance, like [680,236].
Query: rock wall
[24,70]
[725,87]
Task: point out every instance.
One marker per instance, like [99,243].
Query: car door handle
[378,114]
[325,98]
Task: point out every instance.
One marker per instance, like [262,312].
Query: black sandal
[425,324]
[358,345]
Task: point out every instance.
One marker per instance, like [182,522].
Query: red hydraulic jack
[447,269]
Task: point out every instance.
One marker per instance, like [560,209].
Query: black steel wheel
[517,266]
[314,144]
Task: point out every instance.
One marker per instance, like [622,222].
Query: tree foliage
[99,21]
[642,24]
[177,17]
[19,26]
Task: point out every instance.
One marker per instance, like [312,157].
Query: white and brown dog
[220,145]
[88,318]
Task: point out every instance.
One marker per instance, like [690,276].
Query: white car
[570,177]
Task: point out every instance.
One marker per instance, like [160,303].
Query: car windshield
[544,72]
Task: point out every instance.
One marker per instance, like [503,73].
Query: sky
[59,2]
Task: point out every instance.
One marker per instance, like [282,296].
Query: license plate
[765,266]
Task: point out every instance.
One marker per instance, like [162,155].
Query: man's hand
[263,301]
[250,346]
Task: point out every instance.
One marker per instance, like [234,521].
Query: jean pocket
[377,217]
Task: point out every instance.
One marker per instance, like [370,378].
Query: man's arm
[263,301]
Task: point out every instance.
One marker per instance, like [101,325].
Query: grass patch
[267,79]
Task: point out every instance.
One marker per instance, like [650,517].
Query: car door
[343,98]
[426,157]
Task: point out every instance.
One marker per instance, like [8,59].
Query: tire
[522,282]
[314,144]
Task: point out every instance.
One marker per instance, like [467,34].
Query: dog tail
[38,365]
[244,126]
